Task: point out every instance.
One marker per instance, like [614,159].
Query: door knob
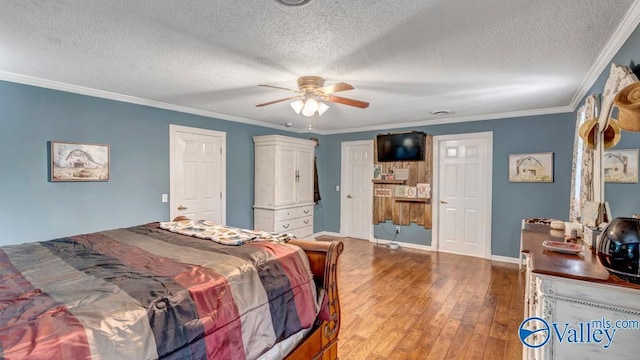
[181,208]
[349,197]
[443,202]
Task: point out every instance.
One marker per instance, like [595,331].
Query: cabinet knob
[443,202]
[349,197]
[181,208]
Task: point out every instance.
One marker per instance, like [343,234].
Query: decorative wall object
[410,192]
[79,162]
[531,167]
[620,166]
[424,190]
[382,192]
[401,174]
[400,191]
[377,172]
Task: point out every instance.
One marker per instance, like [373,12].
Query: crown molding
[54,85]
[81,90]
[452,120]
[627,26]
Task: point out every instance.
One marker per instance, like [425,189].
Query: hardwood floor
[411,304]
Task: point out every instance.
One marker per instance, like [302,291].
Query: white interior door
[197,173]
[356,200]
[464,194]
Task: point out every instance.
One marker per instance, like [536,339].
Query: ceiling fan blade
[330,89]
[277,101]
[345,101]
[278,87]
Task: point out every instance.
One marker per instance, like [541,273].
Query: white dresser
[284,185]
[580,302]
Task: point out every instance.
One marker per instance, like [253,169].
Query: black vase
[618,249]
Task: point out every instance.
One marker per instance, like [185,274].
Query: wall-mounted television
[401,147]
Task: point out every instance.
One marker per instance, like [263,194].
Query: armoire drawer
[288,225]
[303,233]
[294,213]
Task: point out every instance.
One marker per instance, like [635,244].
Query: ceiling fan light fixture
[322,108]
[310,107]
[297,106]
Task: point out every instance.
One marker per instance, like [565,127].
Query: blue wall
[35,209]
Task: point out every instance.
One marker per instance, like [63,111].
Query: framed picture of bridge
[531,167]
[79,162]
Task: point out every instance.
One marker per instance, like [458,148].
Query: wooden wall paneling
[422,171]
[418,211]
[382,204]
[429,160]
[404,212]
[427,216]
[376,210]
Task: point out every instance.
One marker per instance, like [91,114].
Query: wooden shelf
[415,200]
[388,181]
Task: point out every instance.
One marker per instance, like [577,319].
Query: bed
[169,291]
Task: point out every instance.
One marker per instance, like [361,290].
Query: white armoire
[284,185]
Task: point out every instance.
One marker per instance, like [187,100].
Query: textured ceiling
[478,59]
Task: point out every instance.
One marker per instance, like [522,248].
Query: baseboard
[403,244]
[493,257]
[506,259]
[326,233]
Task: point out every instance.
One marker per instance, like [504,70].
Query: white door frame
[488,136]
[344,180]
[173,165]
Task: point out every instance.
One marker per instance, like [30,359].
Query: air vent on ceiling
[293,2]
[441,112]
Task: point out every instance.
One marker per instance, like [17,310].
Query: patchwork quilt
[222,234]
[147,293]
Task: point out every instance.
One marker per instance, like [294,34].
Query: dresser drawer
[303,233]
[289,225]
[294,213]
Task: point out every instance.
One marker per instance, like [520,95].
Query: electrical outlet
[397,229]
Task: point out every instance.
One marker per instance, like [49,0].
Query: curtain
[582,167]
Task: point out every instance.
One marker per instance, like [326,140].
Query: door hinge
[220,151]
[220,194]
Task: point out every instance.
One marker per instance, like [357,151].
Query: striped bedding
[147,293]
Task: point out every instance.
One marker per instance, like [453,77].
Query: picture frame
[377,172]
[382,192]
[399,191]
[531,167]
[424,190]
[70,161]
[410,192]
[620,166]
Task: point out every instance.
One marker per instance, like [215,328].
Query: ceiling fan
[310,91]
